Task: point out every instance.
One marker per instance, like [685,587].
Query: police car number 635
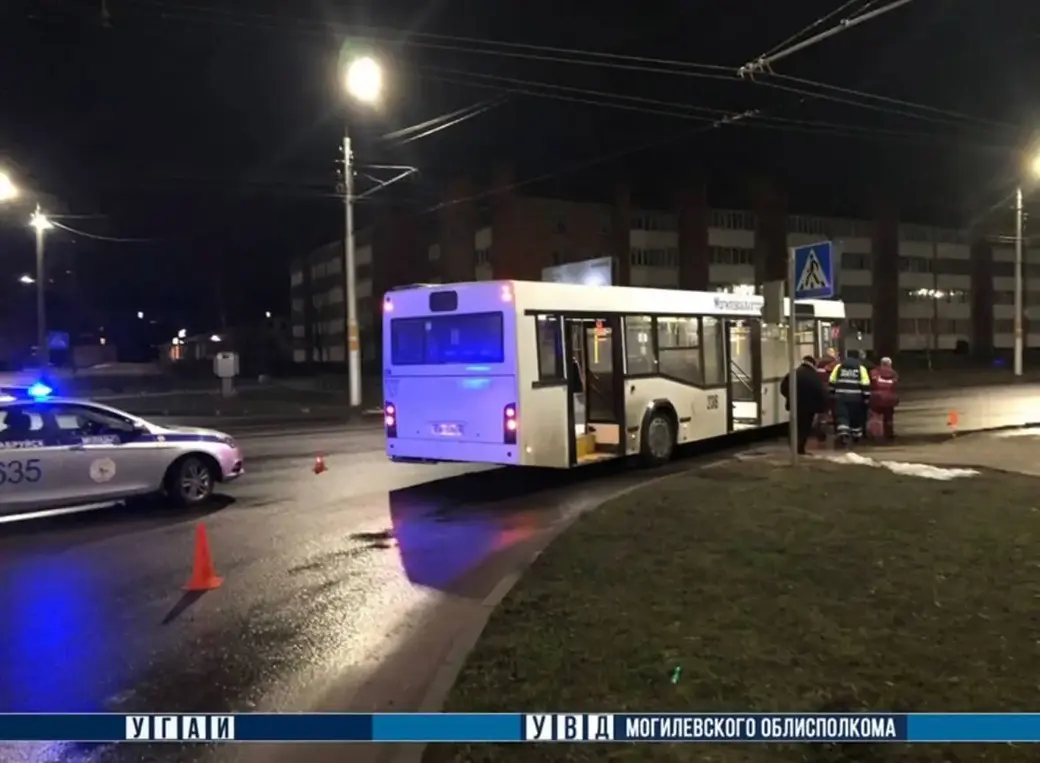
[62,453]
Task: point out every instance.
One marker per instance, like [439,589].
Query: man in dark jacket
[850,385]
[812,399]
[884,395]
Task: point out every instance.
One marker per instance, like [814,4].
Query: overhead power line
[764,64]
[442,119]
[98,237]
[597,98]
[172,9]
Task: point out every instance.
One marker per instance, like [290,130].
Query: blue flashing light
[39,390]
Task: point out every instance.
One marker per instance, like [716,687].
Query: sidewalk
[1012,450]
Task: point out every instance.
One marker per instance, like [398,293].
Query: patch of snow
[926,471]
[1031,432]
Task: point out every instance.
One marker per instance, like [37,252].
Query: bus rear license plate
[448,430]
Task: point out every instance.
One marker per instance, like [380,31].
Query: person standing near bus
[850,385]
[826,418]
[812,399]
[884,396]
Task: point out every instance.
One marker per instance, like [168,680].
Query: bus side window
[550,348]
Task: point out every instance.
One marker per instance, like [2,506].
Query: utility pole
[1019,339]
[353,344]
[934,333]
[40,224]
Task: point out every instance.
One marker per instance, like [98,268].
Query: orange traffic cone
[952,420]
[319,464]
[203,575]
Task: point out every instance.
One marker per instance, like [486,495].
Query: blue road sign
[814,271]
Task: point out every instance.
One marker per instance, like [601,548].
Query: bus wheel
[658,439]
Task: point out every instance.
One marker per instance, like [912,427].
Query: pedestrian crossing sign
[814,271]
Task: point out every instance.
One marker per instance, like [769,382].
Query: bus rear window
[443,339]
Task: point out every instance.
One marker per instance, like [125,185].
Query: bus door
[596,379]
[743,378]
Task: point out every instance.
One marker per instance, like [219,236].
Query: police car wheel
[190,482]
[658,440]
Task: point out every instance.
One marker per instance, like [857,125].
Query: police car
[62,453]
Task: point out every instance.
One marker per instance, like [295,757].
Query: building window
[334,266]
[678,344]
[639,347]
[483,256]
[861,326]
[434,252]
[655,258]
[915,265]
[296,278]
[851,261]
[730,255]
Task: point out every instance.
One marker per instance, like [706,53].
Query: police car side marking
[17,472]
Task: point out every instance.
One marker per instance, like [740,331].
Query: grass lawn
[827,588]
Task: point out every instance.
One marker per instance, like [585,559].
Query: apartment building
[907,287]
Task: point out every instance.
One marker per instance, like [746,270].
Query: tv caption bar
[826,728]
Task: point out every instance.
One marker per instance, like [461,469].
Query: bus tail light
[390,419]
[509,424]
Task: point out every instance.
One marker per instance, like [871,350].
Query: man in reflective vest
[850,385]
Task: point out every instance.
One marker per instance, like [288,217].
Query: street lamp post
[41,224]
[364,83]
[1020,340]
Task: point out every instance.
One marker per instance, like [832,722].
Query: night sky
[211,129]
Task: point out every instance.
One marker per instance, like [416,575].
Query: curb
[464,643]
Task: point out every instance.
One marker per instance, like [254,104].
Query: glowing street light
[39,221]
[27,279]
[363,81]
[8,190]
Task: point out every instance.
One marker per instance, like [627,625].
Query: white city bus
[560,375]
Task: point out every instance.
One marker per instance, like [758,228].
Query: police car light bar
[38,390]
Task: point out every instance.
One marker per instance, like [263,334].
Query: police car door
[106,457]
[31,475]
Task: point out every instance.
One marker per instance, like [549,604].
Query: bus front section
[450,374]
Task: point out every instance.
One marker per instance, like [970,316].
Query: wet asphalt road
[924,413]
[336,586]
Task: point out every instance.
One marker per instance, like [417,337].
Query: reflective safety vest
[851,381]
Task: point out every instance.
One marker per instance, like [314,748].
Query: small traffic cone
[203,575]
[319,464]
[952,420]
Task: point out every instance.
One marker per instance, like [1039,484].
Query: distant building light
[103,341]
[140,315]
[267,314]
[214,338]
[182,334]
